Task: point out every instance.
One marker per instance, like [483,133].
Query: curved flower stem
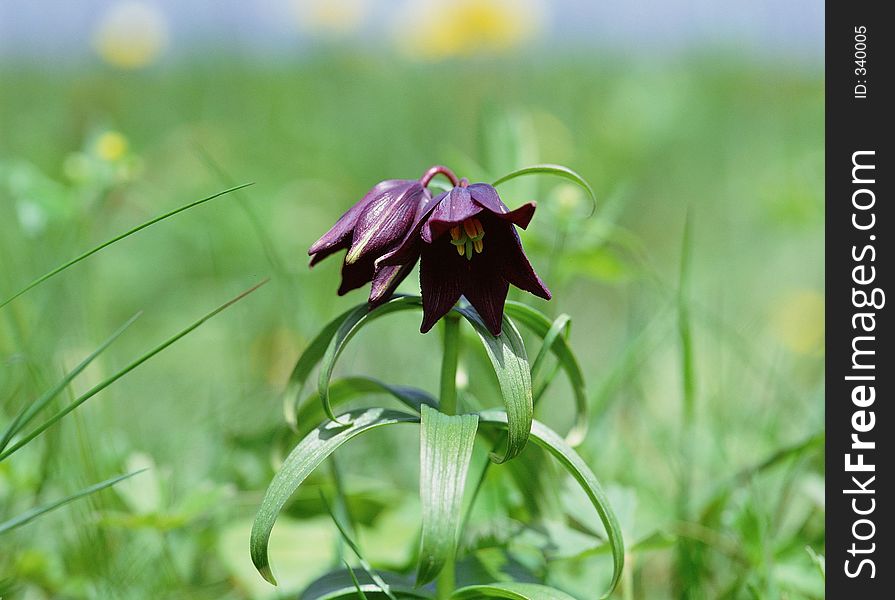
[438,169]
[448,405]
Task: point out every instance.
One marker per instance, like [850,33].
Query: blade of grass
[30,411]
[360,592]
[360,557]
[133,365]
[117,238]
[36,512]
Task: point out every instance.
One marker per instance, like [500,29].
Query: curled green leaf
[310,412]
[303,459]
[510,362]
[356,319]
[512,590]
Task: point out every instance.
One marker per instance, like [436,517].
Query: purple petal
[487,292]
[340,233]
[408,249]
[354,275]
[386,281]
[385,221]
[504,250]
[443,275]
[487,197]
[454,208]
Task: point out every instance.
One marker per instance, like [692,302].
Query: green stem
[448,404]
[448,393]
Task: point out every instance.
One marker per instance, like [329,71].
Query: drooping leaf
[310,412]
[117,238]
[303,459]
[549,169]
[445,451]
[36,512]
[357,318]
[510,362]
[541,325]
[546,438]
[30,411]
[512,590]
[339,585]
[121,373]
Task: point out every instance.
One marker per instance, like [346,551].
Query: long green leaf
[546,438]
[550,169]
[303,459]
[310,412]
[510,362]
[339,585]
[356,319]
[30,411]
[117,238]
[541,325]
[445,451]
[512,590]
[110,380]
[36,512]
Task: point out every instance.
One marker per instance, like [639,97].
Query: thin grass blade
[30,411]
[34,513]
[445,451]
[304,458]
[110,380]
[118,238]
[383,586]
[551,441]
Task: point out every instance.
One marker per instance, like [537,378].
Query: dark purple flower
[372,228]
[469,247]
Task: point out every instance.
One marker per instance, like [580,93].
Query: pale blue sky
[791,29]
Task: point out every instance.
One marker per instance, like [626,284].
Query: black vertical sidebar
[860,442]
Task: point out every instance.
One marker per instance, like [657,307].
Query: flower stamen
[467,237]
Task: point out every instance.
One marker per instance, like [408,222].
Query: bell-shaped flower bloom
[469,247]
[374,227]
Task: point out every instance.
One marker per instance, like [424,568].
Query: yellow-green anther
[468,249]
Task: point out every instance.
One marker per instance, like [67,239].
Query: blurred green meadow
[695,292]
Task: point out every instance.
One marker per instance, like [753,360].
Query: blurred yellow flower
[131,34]
[437,29]
[111,146]
[798,321]
[331,16]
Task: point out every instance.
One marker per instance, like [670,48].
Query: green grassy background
[718,500]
